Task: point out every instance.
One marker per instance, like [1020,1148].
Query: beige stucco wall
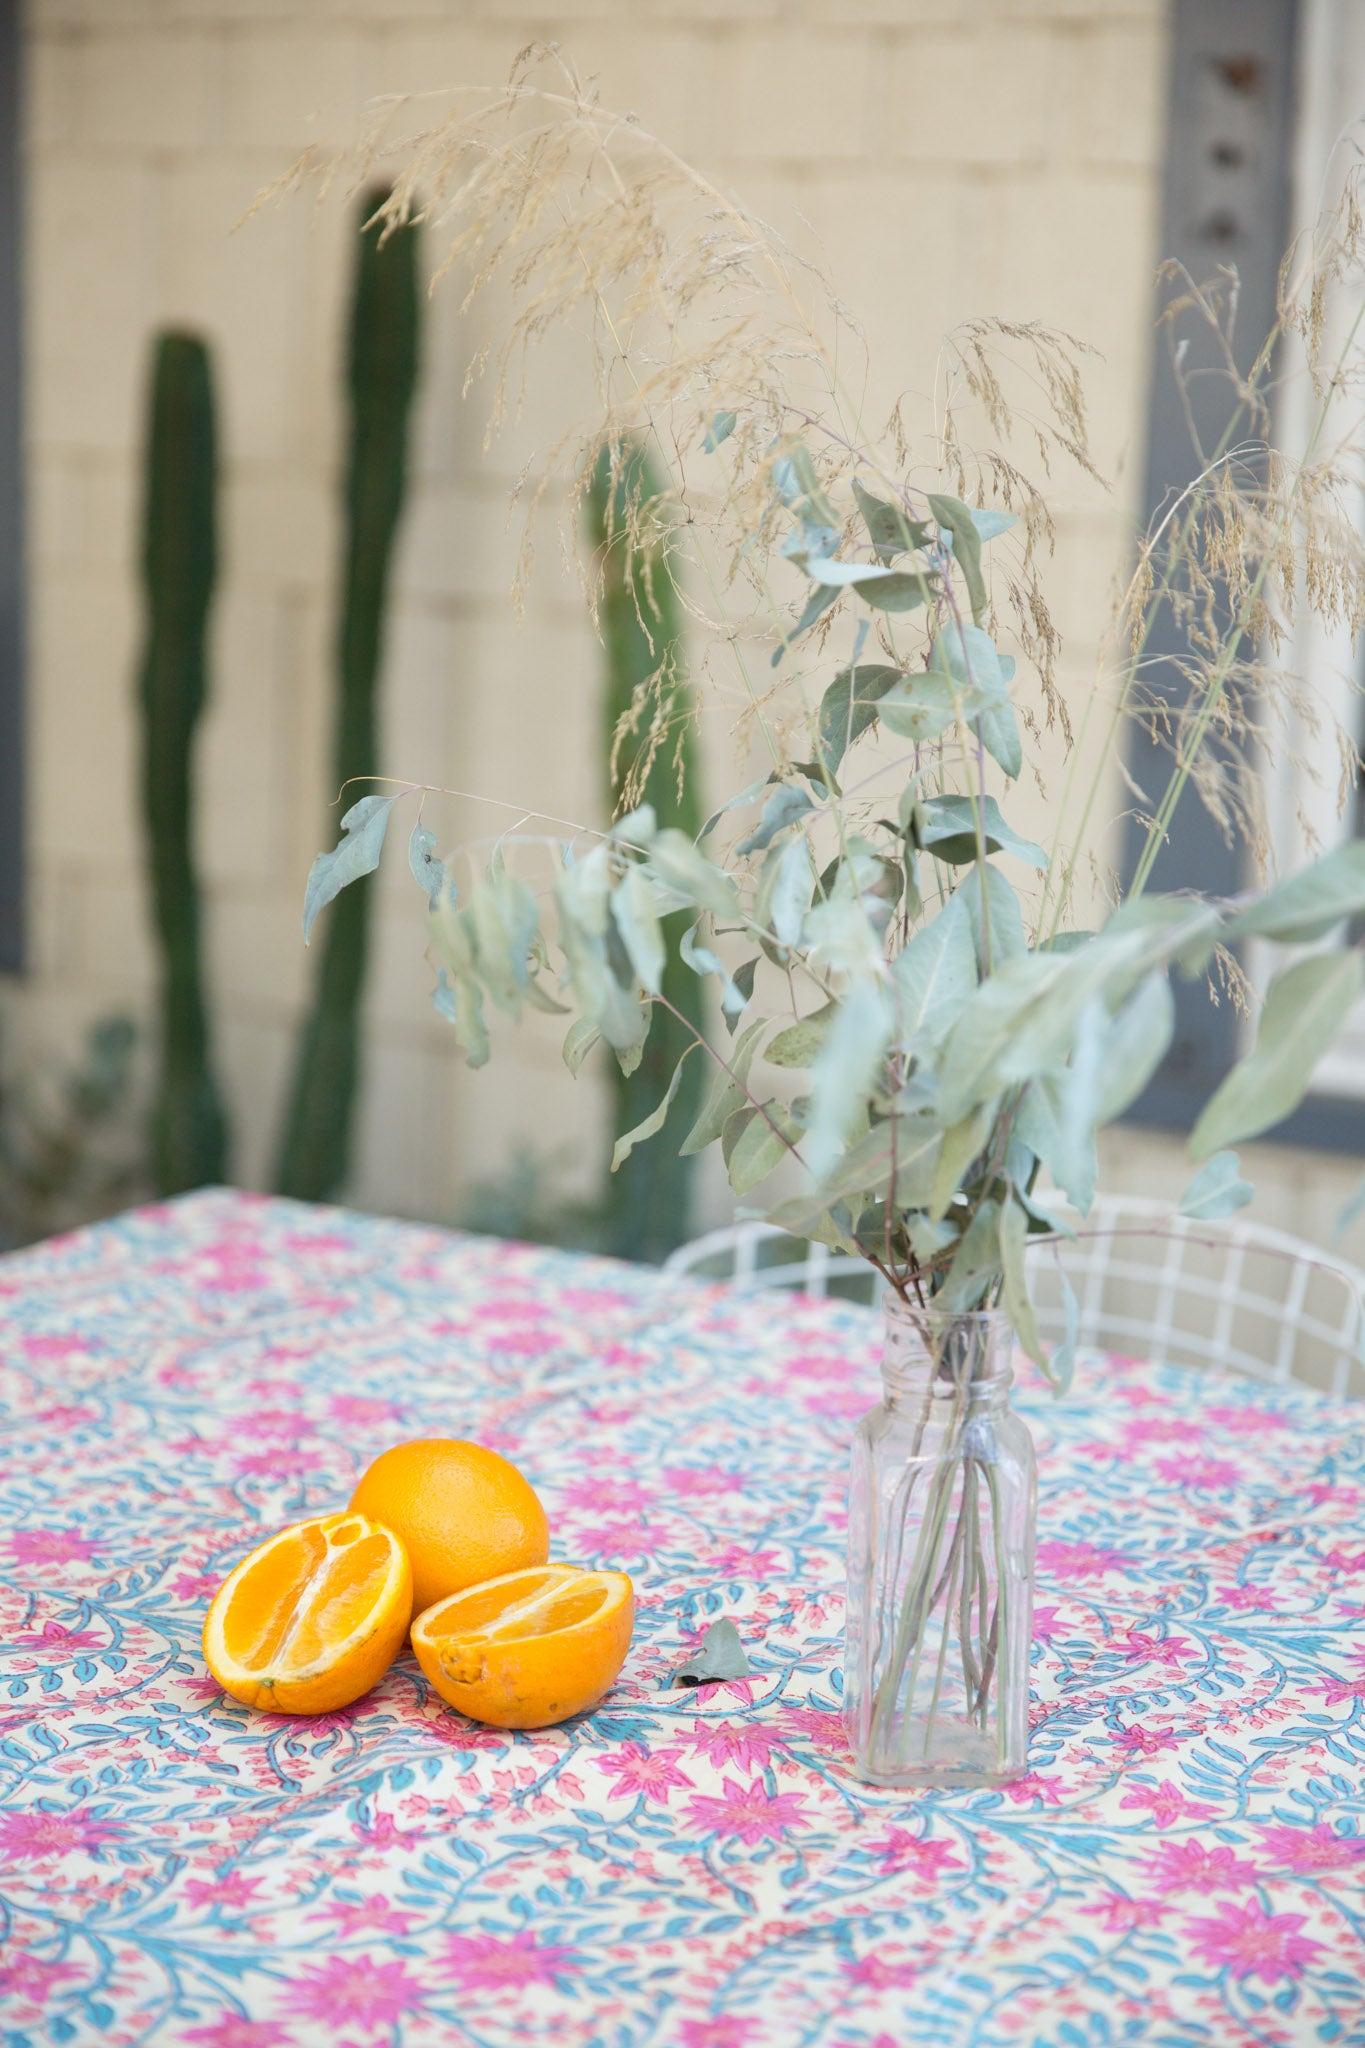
[957,157]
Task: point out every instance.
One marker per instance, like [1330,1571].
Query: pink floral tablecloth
[1184,1864]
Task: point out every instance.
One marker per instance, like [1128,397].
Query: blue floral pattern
[1184,1863]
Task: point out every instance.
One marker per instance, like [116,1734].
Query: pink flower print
[1249,1942]
[725,2031]
[232,1888]
[492,1962]
[687,1479]
[1080,1560]
[355,1991]
[624,1496]
[1345,1560]
[645,1774]
[359,1411]
[234,2031]
[1176,1866]
[33,1980]
[371,1914]
[1121,1915]
[1166,1803]
[900,1850]
[194,1585]
[873,1973]
[731,1742]
[286,1422]
[1140,1740]
[1218,1473]
[54,1347]
[1143,1648]
[1309,1850]
[50,1546]
[53,1636]
[1247,1421]
[1242,1598]
[31,1836]
[824,1728]
[279,1458]
[735,1562]
[747,1811]
[1335,1690]
[62,1418]
[1045,1624]
[1031,1786]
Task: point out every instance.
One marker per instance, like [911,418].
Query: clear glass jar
[942,1510]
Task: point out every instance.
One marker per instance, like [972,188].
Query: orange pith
[462,1512]
[312,1618]
[530,1648]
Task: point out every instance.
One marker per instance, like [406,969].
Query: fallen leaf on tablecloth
[719,1656]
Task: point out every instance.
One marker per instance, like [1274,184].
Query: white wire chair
[1146,1281]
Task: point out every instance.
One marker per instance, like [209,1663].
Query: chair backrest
[1145,1281]
[751,1256]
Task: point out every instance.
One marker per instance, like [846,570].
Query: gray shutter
[1225,200]
[11,509]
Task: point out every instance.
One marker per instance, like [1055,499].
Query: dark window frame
[12,621]
[1232,75]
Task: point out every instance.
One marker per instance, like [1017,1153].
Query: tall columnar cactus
[179,559]
[649,1197]
[383,368]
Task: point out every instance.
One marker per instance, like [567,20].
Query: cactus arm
[189,1137]
[315,1148]
[648,1200]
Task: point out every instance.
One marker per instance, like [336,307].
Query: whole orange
[462,1513]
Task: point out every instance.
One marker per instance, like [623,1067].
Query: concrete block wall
[950,158]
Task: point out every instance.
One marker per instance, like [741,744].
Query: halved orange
[313,1618]
[530,1648]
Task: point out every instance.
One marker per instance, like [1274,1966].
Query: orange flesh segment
[543,1604]
[304,1595]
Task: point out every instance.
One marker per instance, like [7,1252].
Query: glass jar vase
[942,1510]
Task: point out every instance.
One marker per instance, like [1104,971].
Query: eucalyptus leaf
[976,1262]
[1307,905]
[843,1072]
[994,914]
[1014,1295]
[817,604]
[831,570]
[989,523]
[726,1093]
[428,870]
[797,483]
[744,796]
[679,866]
[1217,1189]
[1305,1008]
[356,854]
[957,518]
[849,706]
[654,1122]
[579,1040]
[766,1137]
[458,1001]
[637,920]
[1061,1366]
[1064,1143]
[1135,1045]
[999,730]
[788,802]
[899,591]
[791,892]
[890,529]
[718,1659]
[950,834]
[722,426]
[797,1045]
[962,1142]
[920,706]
